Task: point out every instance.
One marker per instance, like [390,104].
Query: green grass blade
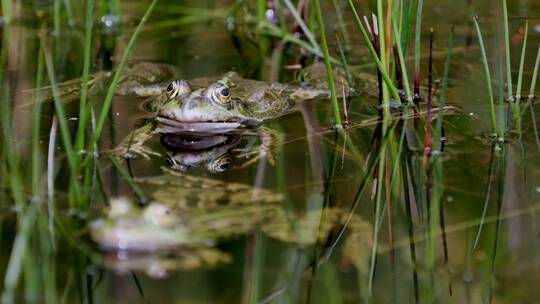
[385,65]
[507,52]
[36,153]
[344,62]
[6,11]
[112,88]
[402,65]
[487,75]
[535,75]
[18,252]
[501,114]
[56,16]
[341,23]
[329,71]
[83,115]
[386,78]
[138,191]
[418,36]
[13,176]
[487,199]
[62,120]
[522,62]
[302,24]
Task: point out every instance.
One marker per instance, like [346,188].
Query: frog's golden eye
[220,93]
[177,88]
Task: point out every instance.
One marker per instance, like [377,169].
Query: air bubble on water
[449,198]
[538,189]
[471,114]
[110,20]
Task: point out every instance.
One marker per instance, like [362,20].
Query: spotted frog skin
[212,105]
[191,210]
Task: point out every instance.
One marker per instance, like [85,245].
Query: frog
[188,215]
[218,105]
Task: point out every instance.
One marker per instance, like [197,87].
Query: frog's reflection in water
[209,151]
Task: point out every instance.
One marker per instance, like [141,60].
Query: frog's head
[215,108]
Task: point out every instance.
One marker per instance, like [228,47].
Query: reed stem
[535,75]
[522,62]
[62,120]
[507,53]
[487,75]
[83,115]
[393,90]
[329,70]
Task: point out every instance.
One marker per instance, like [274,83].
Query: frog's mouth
[188,142]
[173,125]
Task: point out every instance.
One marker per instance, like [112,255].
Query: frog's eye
[177,88]
[224,92]
[220,93]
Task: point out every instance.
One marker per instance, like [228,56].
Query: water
[60,262]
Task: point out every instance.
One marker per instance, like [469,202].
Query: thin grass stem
[18,252]
[384,62]
[507,53]
[83,115]
[112,88]
[344,62]
[501,114]
[417,51]
[62,121]
[329,70]
[402,65]
[341,24]
[442,96]
[367,40]
[522,62]
[535,75]
[6,11]
[127,177]
[302,24]
[56,16]
[14,176]
[486,200]
[487,75]
[36,153]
